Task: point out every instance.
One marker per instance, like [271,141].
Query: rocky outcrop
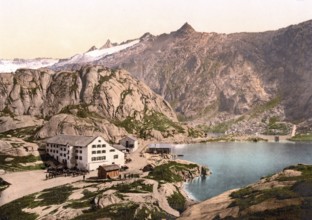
[91,100]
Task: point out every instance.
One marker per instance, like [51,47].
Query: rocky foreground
[153,195]
[285,195]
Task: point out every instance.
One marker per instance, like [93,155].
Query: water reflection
[234,165]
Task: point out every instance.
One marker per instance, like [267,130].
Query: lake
[235,165]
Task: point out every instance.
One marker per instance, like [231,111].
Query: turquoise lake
[235,165]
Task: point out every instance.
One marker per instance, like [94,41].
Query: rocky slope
[220,77]
[285,195]
[91,100]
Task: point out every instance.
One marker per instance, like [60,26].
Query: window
[81,151]
[76,157]
[116,156]
[103,151]
[103,145]
[111,150]
[80,158]
[93,146]
[77,151]
[61,155]
[93,158]
[98,152]
[67,157]
[93,152]
[98,146]
[99,140]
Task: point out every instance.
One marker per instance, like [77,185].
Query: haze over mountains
[246,78]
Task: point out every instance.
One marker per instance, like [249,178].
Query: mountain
[213,78]
[7,66]
[92,100]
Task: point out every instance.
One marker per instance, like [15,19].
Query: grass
[56,195]
[82,111]
[13,210]
[259,109]
[15,164]
[26,133]
[171,172]
[177,201]
[115,212]
[302,137]
[135,187]
[151,121]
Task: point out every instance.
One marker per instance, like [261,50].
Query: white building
[83,152]
[131,143]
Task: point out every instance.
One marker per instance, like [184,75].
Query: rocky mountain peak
[92,49]
[108,44]
[146,36]
[186,29]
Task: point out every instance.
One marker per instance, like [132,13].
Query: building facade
[108,171]
[129,142]
[83,152]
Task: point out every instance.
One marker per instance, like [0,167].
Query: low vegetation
[301,190]
[14,163]
[135,187]
[81,111]
[177,201]
[151,121]
[275,127]
[171,172]
[301,137]
[26,133]
[259,109]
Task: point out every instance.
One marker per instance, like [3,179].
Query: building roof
[72,140]
[119,147]
[130,137]
[160,146]
[110,167]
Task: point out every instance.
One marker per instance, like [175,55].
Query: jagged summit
[92,49]
[146,36]
[186,29]
[108,44]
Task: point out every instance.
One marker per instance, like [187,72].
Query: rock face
[221,76]
[93,99]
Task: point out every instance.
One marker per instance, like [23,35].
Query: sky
[62,28]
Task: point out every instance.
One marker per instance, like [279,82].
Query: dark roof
[119,147]
[130,137]
[110,167]
[72,140]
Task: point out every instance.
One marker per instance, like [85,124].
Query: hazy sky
[62,28]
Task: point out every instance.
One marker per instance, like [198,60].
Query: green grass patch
[26,133]
[56,195]
[13,210]
[151,121]
[135,187]
[302,137]
[115,212]
[171,172]
[259,109]
[177,201]
[15,164]
[82,111]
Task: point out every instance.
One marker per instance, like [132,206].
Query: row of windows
[80,157]
[98,146]
[99,152]
[79,151]
[98,158]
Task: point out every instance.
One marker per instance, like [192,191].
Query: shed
[130,143]
[108,171]
[120,148]
[160,148]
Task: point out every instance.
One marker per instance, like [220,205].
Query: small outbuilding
[129,142]
[159,149]
[108,171]
[120,148]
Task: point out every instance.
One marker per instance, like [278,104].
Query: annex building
[83,152]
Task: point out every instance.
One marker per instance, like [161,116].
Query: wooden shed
[108,171]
